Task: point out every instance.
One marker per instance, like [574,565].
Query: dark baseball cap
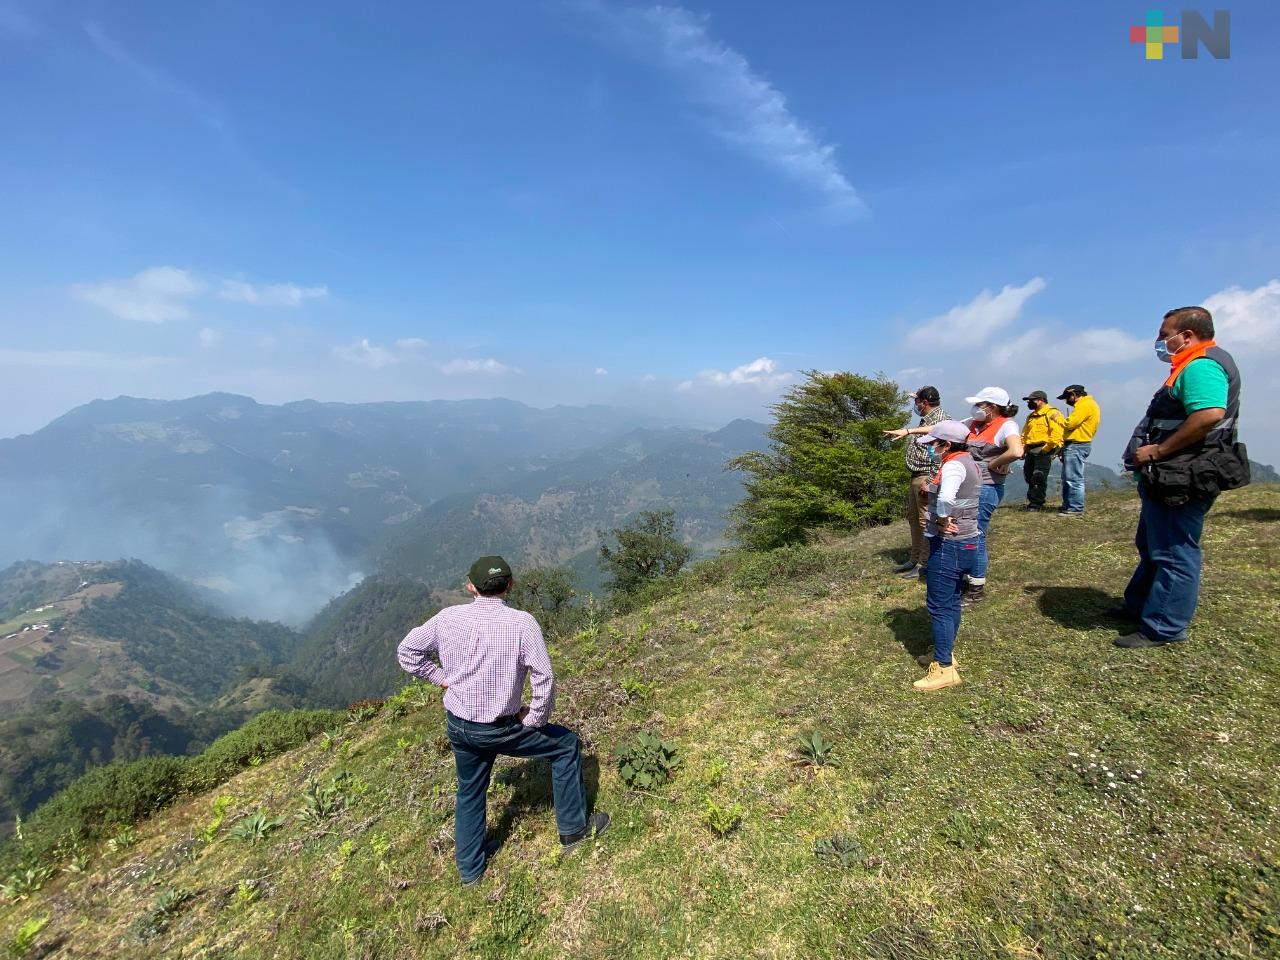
[1074,388]
[927,394]
[489,573]
[1037,395]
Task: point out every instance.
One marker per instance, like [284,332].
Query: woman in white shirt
[995,442]
[954,539]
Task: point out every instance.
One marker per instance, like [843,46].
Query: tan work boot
[937,678]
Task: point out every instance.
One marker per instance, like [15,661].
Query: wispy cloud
[269,294]
[210,337]
[488,365]
[153,295]
[158,294]
[366,354]
[601,372]
[411,343]
[761,374]
[979,319]
[742,107]
[202,109]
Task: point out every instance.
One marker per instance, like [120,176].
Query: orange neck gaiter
[1180,360]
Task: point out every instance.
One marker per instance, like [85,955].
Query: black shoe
[905,567]
[1071,513]
[491,848]
[1035,507]
[1138,641]
[974,594]
[597,824]
[908,574]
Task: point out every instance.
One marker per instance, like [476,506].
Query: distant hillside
[278,506]
[1070,800]
[554,516]
[348,652]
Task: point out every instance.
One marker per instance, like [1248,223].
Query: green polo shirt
[1201,386]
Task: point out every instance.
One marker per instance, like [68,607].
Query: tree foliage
[551,595]
[646,548]
[828,463]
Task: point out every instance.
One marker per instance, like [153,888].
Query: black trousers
[1035,470]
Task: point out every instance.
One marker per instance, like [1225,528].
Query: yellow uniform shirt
[1044,426]
[1084,420]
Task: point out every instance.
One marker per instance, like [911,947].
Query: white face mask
[979,412]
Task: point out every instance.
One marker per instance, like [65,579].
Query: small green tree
[647,548]
[550,594]
[829,463]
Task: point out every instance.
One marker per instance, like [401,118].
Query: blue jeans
[949,561]
[476,746]
[1164,589]
[1073,457]
[989,497]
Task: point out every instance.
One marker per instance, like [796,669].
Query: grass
[1068,800]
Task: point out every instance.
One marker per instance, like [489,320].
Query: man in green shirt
[1184,451]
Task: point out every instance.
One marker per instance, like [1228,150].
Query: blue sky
[670,207]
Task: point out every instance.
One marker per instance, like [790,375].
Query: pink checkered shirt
[485,649]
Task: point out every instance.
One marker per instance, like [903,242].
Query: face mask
[979,412]
[919,412]
[1163,353]
[934,453]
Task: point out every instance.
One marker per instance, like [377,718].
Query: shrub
[21,884]
[647,549]
[646,760]
[266,735]
[721,820]
[815,750]
[829,463]
[102,799]
[839,851]
[255,828]
[320,803]
[792,567]
[363,710]
[24,938]
[153,923]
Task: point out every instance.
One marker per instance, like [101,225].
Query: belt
[1034,446]
[500,722]
[1067,443]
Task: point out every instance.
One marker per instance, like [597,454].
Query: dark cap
[1037,395]
[1074,388]
[927,394]
[489,573]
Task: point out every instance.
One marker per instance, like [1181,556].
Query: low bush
[646,760]
[266,735]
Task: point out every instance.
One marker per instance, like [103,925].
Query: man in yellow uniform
[1041,441]
[1077,442]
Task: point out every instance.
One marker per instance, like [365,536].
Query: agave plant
[815,750]
[320,803]
[255,827]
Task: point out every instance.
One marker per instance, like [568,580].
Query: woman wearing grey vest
[954,539]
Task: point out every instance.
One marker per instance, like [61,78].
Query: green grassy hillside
[1069,800]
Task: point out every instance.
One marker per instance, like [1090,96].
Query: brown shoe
[938,678]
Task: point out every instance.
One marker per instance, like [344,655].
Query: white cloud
[761,373]
[411,343]
[648,378]
[153,295]
[366,354]
[979,319]
[601,372]
[745,109]
[487,365]
[1104,345]
[269,294]
[210,337]
[1247,318]
[158,294]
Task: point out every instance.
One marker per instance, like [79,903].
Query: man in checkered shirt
[485,649]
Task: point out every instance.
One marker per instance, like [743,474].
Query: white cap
[951,431]
[996,395]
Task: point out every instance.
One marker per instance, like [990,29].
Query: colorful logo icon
[1154,34]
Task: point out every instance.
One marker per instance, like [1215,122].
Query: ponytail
[1010,411]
